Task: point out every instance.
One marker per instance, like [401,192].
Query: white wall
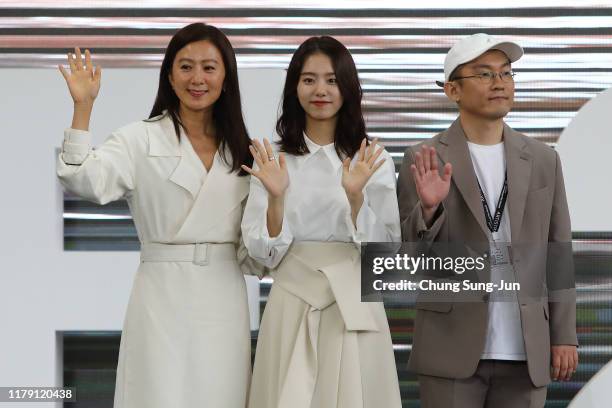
[585,148]
[42,288]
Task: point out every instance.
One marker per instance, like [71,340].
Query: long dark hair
[227,111]
[350,126]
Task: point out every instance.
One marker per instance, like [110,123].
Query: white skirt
[186,339]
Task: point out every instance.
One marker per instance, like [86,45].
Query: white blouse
[317,209]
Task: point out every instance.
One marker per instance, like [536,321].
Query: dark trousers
[495,384]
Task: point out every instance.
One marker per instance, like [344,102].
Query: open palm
[83,80]
[355,177]
[271,172]
[432,188]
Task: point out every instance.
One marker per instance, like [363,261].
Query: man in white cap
[481,181]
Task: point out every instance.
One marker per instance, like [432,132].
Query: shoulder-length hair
[350,126]
[227,111]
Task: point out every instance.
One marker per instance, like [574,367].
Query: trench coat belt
[320,287]
[199,253]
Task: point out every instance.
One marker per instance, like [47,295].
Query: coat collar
[163,141]
[189,172]
[453,149]
[215,194]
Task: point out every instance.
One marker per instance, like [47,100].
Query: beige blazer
[450,336]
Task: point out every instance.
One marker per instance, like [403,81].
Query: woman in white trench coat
[308,210]
[185,341]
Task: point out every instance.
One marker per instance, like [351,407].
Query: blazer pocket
[440,307]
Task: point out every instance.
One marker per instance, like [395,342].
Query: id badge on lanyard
[500,251]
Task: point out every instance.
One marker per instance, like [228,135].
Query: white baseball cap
[472,47]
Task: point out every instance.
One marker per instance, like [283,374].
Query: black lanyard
[493,222]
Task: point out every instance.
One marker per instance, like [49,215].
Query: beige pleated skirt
[319,346]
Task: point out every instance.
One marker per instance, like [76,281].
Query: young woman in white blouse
[309,208]
[185,340]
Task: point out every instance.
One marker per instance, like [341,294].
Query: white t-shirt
[504,334]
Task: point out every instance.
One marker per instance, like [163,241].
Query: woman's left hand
[355,178]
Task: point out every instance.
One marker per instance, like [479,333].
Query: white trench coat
[185,340]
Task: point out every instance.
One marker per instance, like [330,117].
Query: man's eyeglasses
[488,77]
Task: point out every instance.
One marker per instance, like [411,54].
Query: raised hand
[271,172]
[432,188]
[355,178]
[83,80]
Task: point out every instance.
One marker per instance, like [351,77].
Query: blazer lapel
[454,149]
[518,167]
[164,143]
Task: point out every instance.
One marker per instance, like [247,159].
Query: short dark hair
[455,72]
[350,127]
[227,111]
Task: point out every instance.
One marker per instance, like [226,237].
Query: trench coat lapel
[453,149]
[220,194]
[518,167]
[222,191]
[163,142]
